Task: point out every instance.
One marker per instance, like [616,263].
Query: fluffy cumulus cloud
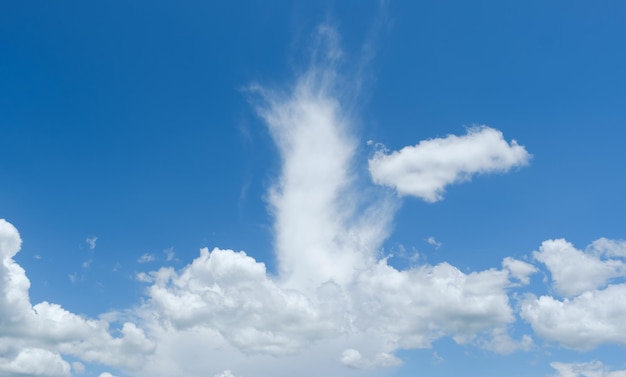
[584,322]
[231,293]
[34,337]
[590,312]
[425,169]
[575,271]
[412,308]
[35,362]
[591,369]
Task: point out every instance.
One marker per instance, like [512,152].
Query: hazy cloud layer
[590,369]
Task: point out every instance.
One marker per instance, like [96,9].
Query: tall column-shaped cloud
[323,231]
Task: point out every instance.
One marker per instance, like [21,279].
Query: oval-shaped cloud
[425,169]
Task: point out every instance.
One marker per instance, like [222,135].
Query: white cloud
[593,318]
[200,351]
[14,285]
[424,170]
[35,362]
[91,241]
[146,258]
[574,271]
[353,359]
[231,293]
[10,241]
[412,308]
[106,374]
[518,269]
[433,242]
[590,369]
[501,342]
[611,248]
[323,229]
[46,331]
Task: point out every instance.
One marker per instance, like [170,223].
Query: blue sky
[312,188]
